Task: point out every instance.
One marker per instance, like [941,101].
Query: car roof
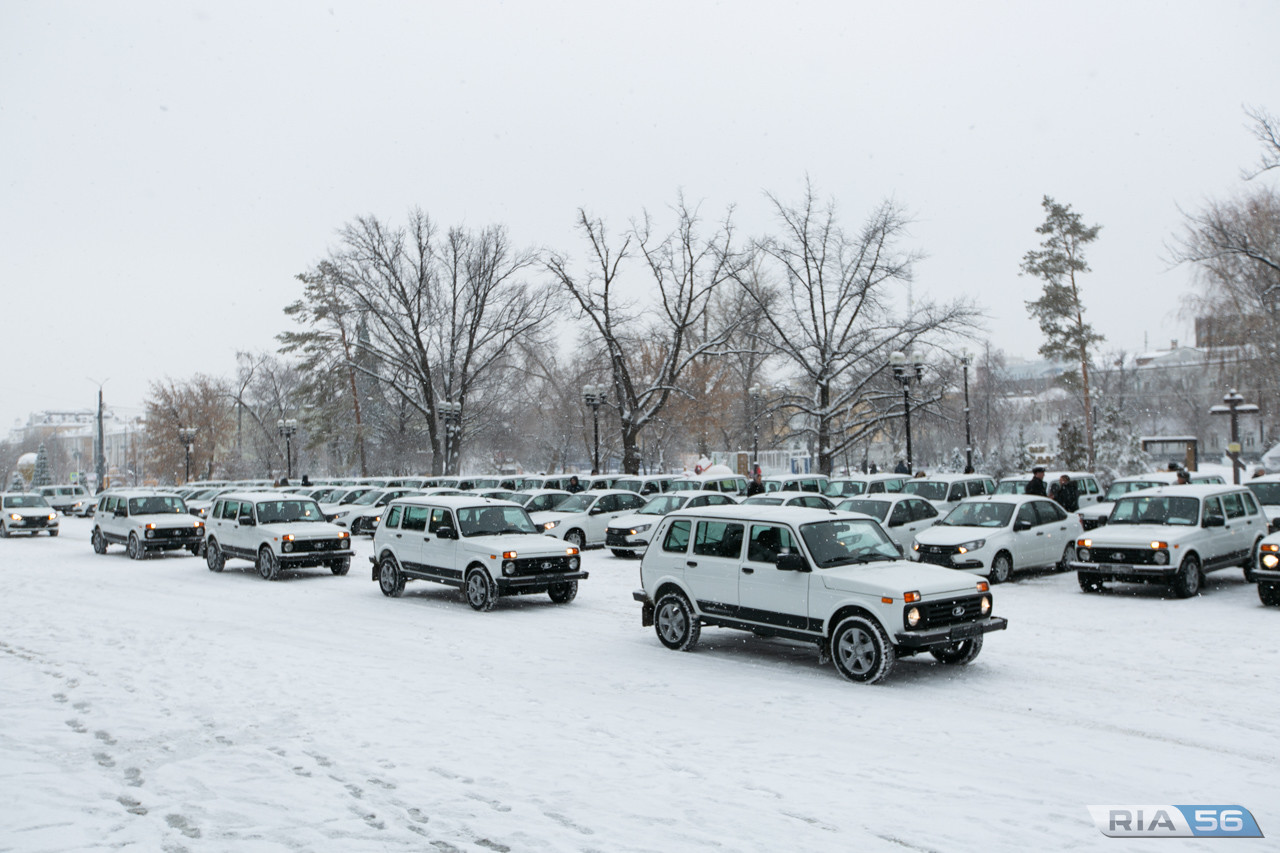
[951,478]
[261,495]
[1009,499]
[451,501]
[143,493]
[870,478]
[761,512]
[1191,490]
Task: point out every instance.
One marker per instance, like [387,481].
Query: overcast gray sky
[168,167]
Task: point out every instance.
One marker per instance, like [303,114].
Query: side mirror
[1215,521]
[446,533]
[246,521]
[1022,524]
[595,510]
[897,522]
[793,563]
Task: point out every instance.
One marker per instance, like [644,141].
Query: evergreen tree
[42,477]
[1072,455]
[1119,452]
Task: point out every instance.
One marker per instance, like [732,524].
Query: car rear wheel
[675,623]
[1068,554]
[1249,564]
[4,530]
[861,650]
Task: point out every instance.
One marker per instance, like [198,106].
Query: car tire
[1250,563]
[1001,568]
[563,592]
[675,623]
[1269,594]
[480,590]
[134,548]
[4,530]
[618,552]
[98,541]
[390,580]
[341,567]
[52,533]
[958,654]
[1068,554]
[1089,584]
[268,565]
[213,556]
[576,539]
[861,650]
[1187,582]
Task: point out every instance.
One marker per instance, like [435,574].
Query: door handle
[691,564]
[748,571]
[426,538]
[1039,532]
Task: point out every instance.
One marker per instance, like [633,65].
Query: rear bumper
[646,607]
[949,634]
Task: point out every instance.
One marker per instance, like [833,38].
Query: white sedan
[903,516]
[629,535]
[581,520]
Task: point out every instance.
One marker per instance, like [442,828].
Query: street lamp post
[1233,404]
[595,396]
[187,435]
[287,427]
[966,358]
[451,411]
[757,393]
[99,456]
[906,373]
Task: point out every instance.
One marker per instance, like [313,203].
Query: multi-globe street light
[187,435]
[287,427]
[595,397]
[906,373]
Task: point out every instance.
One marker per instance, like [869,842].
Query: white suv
[68,500]
[832,579]
[485,547]
[144,521]
[275,531]
[1172,535]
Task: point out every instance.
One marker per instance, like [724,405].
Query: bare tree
[834,319]
[1266,128]
[200,402]
[650,347]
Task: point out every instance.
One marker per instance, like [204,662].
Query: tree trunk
[824,429]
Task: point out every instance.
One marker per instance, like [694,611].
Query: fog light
[509,568]
[573,562]
[913,617]
[985,607]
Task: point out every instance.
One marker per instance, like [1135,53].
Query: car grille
[1134,556]
[32,521]
[175,532]
[937,614]
[319,545]
[614,536]
[938,555]
[538,565]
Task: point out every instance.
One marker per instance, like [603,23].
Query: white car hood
[893,579]
[1136,535]
[635,519]
[951,535]
[305,530]
[1099,510]
[524,544]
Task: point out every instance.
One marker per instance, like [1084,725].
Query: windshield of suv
[876,509]
[25,500]
[848,541]
[979,514]
[930,490]
[156,505]
[1266,493]
[494,521]
[1155,509]
[662,504]
[289,511]
[577,503]
[1118,490]
[542,503]
[842,488]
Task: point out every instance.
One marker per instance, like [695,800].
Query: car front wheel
[1269,594]
[1088,584]
[957,654]
[99,542]
[1001,568]
[134,548]
[268,565]
[341,567]
[861,651]
[481,594]
[675,623]
[1187,582]
[563,592]
[576,539]
[213,556]
[390,581]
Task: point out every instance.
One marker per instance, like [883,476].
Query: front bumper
[949,633]
[1125,572]
[303,559]
[528,584]
[1266,575]
[185,540]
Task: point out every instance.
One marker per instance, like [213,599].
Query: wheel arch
[670,585]
[844,611]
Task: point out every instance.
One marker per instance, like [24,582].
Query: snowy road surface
[156,705]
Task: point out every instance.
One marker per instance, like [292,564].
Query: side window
[1212,509]
[216,510]
[977,487]
[677,538]
[109,505]
[1090,486]
[1049,512]
[875,489]
[1250,506]
[718,539]
[1231,503]
[1027,514]
[815,502]
[246,509]
[439,518]
[393,517]
[901,513]
[608,503]
[631,502]
[791,486]
[767,542]
[718,500]
[921,510]
[956,493]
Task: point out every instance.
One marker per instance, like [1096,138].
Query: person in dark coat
[1036,486]
[901,467]
[1066,494]
[755,487]
[574,486]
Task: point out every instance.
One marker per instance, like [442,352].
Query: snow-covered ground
[156,705]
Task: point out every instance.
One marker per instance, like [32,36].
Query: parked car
[362,516]
[777,498]
[943,490]
[996,535]
[1087,489]
[629,534]
[1173,535]
[729,484]
[1096,514]
[542,500]
[902,516]
[275,532]
[25,512]
[795,483]
[837,582]
[581,520]
[646,486]
[68,499]
[1267,491]
[487,548]
[865,484]
[144,521]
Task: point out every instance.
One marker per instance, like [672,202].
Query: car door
[1239,526]
[1028,537]
[1059,530]
[766,595]
[439,554]
[1217,539]
[713,565]
[605,510]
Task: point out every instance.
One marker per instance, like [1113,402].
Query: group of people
[1064,491]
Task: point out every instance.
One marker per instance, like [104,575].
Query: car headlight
[151,534]
[1161,557]
[15,517]
[551,525]
[1083,555]
[913,617]
[509,568]
[971,546]
[573,562]
[640,529]
[288,546]
[1270,560]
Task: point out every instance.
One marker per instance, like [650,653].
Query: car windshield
[1155,509]
[1012,487]
[930,490]
[848,541]
[501,495]
[368,498]
[979,514]
[662,504]
[1118,490]
[1266,493]
[494,521]
[577,503]
[288,511]
[629,485]
[843,488]
[876,509]
[543,503]
[156,505]
[761,499]
[15,501]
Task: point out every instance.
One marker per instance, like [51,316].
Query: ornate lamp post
[287,427]
[757,394]
[187,435]
[1233,404]
[906,373]
[966,358]
[595,397]
[451,411]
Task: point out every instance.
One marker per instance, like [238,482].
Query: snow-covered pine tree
[1072,455]
[41,475]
